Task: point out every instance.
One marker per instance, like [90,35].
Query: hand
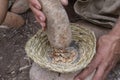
[39,15]
[108,54]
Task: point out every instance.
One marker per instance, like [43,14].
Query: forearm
[116,30]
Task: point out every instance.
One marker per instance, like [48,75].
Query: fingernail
[37,7]
[41,18]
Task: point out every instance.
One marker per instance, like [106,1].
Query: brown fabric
[101,12]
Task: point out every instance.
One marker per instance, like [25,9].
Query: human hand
[39,15]
[108,54]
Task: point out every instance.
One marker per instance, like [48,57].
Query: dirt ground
[14,64]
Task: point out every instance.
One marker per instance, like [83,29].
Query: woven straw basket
[84,41]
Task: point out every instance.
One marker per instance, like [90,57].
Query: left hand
[108,54]
[37,10]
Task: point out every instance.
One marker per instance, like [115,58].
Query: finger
[35,3]
[100,72]
[43,25]
[38,14]
[91,67]
[107,72]
[111,66]
[64,2]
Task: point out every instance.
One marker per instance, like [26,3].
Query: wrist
[116,30]
[114,33]
[113,36]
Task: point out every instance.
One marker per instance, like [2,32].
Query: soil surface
[14,64]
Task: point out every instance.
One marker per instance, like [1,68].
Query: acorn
[3,10]
[13,20]
[20,6]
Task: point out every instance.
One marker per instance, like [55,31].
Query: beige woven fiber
[39,50]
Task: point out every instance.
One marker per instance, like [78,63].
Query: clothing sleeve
[100,12]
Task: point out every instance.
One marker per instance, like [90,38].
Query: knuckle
[32,3]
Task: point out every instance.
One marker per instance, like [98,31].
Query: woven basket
[38,48]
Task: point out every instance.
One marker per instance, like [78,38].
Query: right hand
[39,15]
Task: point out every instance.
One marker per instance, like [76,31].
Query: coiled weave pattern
[38,46]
